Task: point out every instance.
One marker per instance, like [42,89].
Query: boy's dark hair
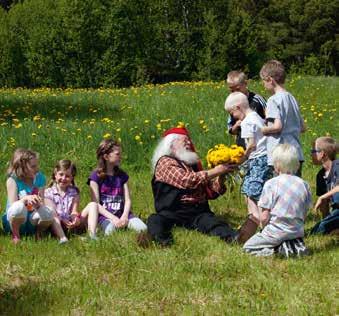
[274,69]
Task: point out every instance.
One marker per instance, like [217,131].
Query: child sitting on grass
[255,154]
[63,197]
[284,202]
[109,188]
[324,153]
[25,209]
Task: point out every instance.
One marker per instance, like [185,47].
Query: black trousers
[160,225]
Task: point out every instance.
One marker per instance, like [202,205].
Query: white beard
[187,156]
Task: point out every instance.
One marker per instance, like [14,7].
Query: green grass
[199,274]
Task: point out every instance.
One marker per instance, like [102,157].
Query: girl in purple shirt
[63,197]
[109,188]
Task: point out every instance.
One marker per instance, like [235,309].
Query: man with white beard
[181,190]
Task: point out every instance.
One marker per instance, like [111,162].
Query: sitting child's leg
[108,227]
[57,229]
[42,218]
[91,213]
[137,224]
[328,224]
[16,216]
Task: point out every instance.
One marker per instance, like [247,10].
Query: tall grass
[199,274]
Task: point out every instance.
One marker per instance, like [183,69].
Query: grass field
[199,274]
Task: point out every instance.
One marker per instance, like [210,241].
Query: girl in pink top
[64,198]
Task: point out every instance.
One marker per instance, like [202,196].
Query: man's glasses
[314,151]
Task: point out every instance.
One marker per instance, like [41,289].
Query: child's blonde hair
[18,165]
[236,77]
[64,165]
[274,69]
[286,159]
[105,147]
[328,145]
[234,99]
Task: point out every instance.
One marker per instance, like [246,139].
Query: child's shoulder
[73,190]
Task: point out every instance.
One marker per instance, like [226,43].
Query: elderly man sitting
[181,190]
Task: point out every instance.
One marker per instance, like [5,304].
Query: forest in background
[105,43]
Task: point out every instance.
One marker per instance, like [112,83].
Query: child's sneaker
[63,240]
[15,240]
[93,237]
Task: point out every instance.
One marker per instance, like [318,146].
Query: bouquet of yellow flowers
[220,154]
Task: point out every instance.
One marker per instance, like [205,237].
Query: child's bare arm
[265,216]
[123,221]
[275,128]
[323,198]
[12,191]
[94,190]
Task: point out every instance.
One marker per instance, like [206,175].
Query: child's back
[289,203]
[283,106]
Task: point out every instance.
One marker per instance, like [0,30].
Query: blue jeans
[327,224]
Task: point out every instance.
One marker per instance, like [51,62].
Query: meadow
[198,274]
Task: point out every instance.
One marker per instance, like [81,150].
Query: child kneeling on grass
[284,202]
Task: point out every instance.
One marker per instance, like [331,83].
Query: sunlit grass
[198,275]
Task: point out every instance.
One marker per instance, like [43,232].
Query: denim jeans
[327,224]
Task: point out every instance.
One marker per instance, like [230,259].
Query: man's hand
[224,168]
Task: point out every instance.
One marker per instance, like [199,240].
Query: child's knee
[137,224]
[42,216]
[108,227]
[17,210]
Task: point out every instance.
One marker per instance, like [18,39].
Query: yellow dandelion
[137,137]
[107,135]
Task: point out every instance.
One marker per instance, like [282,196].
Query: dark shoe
[247,230]
[144,239]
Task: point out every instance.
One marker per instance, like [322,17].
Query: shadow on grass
[23,296]
[51,108]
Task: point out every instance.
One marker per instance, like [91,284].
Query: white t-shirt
[283,106]
[251,128]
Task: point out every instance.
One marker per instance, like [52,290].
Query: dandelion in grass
[137,138]
[107,135]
